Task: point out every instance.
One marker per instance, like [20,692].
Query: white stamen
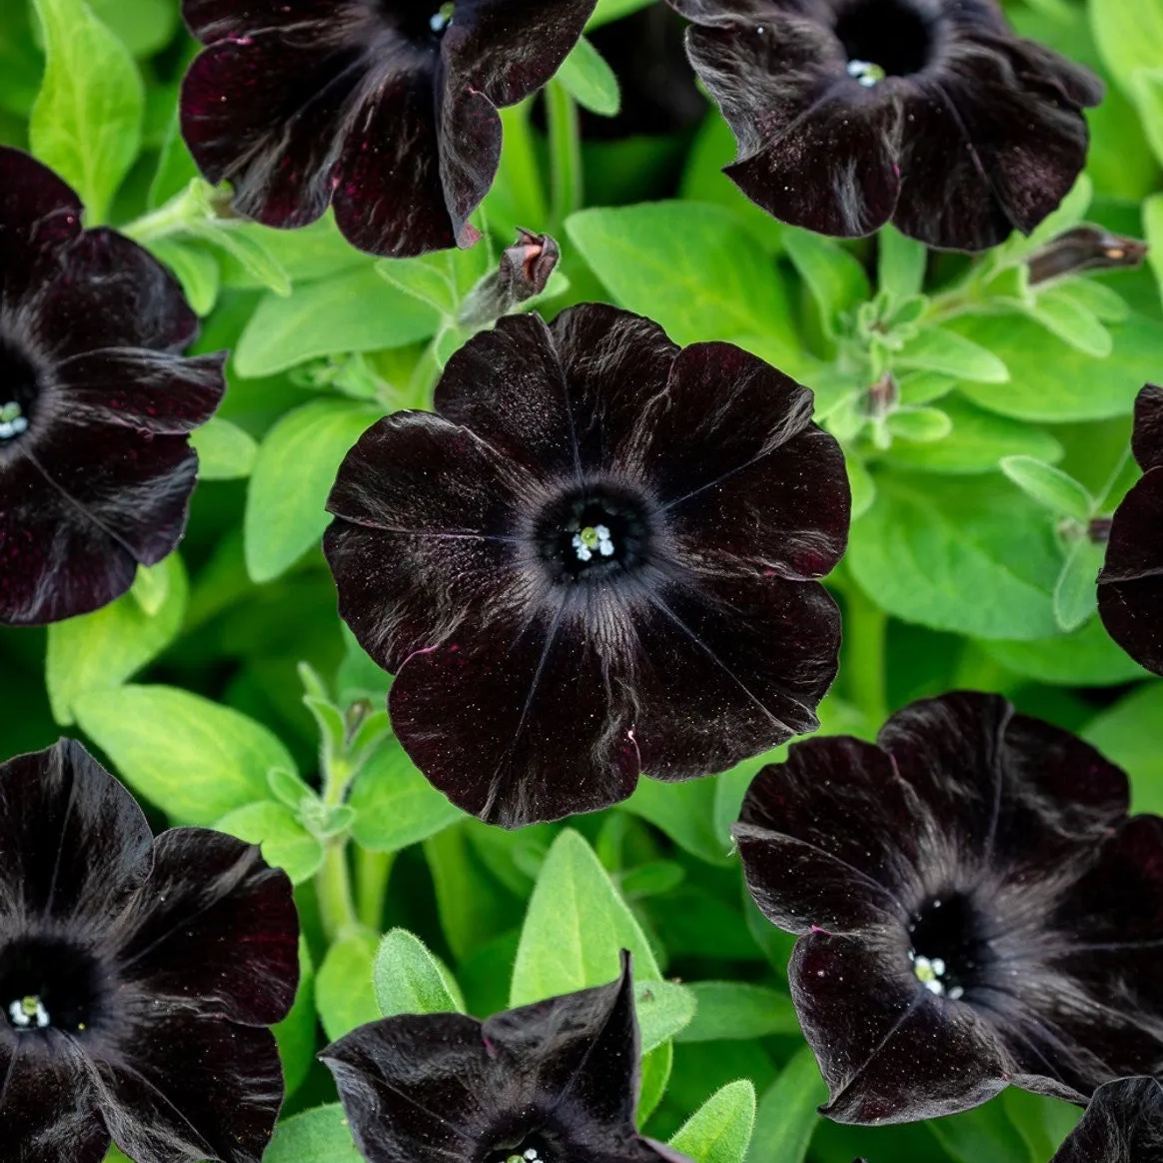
[28,1012]
[866,72]
[12,421]
[441,19]
[591,538]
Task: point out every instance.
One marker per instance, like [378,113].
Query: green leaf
[344,995]
[920,425]
[1099,298]
[395,804]
[99,651]
[1054,383]
[408,979]
[151,587]
[717,285]
[248,250]
[1147,91]
[306,254]
[720,1131]
[1076,592]
[144,26]
[685,812]
[1088,657]
[590,81]
[979,440]
[427,279]
[1153,226]
[285,843]
[320,1135]
[729,1010]
[293,473]
[1129,34]
[788,1112]
[1050,487]
[191,757]
[938,349]
[296,1032]
[984,1133]
[86,123]
[901,263]
[195,269]
[608,10]
[1074,323]
[225,451]
[575,928]
[664,1009]
[1128,734]
[351,312]
[834,276]
[980,561]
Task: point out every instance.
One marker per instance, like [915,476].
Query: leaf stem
[333,880]
[372,871]
[564,154]
[176,216]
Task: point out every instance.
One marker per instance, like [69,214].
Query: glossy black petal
[96,403]
[538,673]
[387,111]
[976,910]
[135,976]
[559,1077]
[1130,587]
[1123,1124]
[852,114]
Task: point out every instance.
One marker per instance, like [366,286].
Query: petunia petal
[517,719]
[100,841]
[889,1050]
[426,515]
[1123,1124]
[727,668]
[189,1088]
[211,20]
[40,214]
[215,932]
[827,839]
[1147,439]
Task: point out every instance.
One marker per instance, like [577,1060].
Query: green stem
[865,643]
[564,153]
[372,870]
[175,217]
[333,880]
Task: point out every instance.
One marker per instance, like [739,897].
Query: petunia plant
[580,581]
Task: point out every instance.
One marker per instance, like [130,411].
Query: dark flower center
[418,19]
[48,984]
[530,1150]
[19,389]
[885,38]
[589,534]
[948,953]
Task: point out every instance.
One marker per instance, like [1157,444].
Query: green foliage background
[222,688]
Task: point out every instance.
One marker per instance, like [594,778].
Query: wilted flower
[976,910]
[1123,1124]
[96,403]
[386,109]
[555,1082]
[136,976]
[522,274]
[930,114]
[1130,587]
[596,559]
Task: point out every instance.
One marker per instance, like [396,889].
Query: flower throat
[884,38]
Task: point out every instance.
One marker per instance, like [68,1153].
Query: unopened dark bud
[522,273]
[1086,248]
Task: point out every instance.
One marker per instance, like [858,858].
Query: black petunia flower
[1130,587]
[977,910]
[595,560]
[386,109]
[555,1082]
[136,976]
[96,403]
[930,114]
[1123,1124]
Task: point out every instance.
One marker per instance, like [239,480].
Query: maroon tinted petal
[39,214]
[215,931]
[993,142]
[1130,587]
[186,1087]
[108,292]
[389,198]
[414,1087]
[1147,440]
[48,1107]
[149,391]
[829,839]
[815,147]
[727,668]
[266,111]
[470,152]
[54,562]
[426,517]
[578,1053]
[889,1050]
[211,20]
[509,49]
[517,720]
[1123,1124]
[73,842]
